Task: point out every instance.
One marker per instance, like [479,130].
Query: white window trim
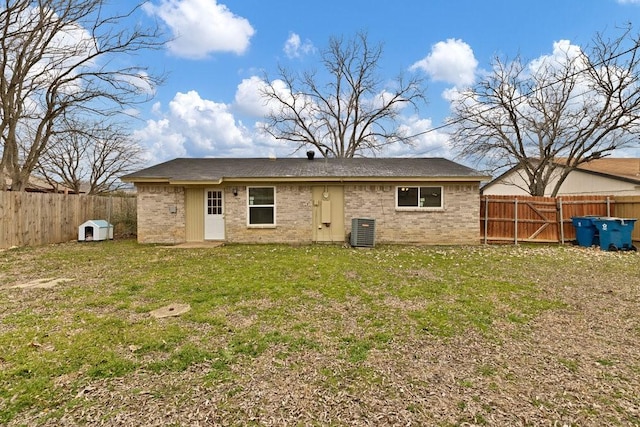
[249,225]
[417,208]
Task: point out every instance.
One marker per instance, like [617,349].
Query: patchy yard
[318,335]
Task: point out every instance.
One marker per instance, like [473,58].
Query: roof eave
[156,179]
[182,182]
[196,181]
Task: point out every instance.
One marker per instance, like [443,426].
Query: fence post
[608,206]
[109,207]
[561,212]
[515,217]
[486,219]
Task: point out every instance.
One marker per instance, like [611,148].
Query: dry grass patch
[320,335]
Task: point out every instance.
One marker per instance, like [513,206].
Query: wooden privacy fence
[31,219]
[516,219]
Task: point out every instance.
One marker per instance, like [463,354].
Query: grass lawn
[319,335]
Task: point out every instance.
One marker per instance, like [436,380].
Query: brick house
[302,200]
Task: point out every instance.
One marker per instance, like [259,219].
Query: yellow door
[328,214]
[194,216]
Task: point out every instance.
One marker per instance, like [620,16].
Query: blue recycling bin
[586,231]
[615,233]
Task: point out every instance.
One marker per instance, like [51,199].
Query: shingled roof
[625,168]
[622,169]
[217,170]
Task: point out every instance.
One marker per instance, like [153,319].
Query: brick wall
[293,216]
[457,223]
[161,216]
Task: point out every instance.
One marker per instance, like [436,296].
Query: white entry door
[213,215]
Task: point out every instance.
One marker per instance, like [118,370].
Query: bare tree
[352,113]
[552,115]
[90,157]
[64,57]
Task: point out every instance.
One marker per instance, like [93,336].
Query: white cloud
[250,101]
[68,50]
[141,82]
[451,61]
[563,52]
[197,127]
[202,27]
[294,48]
[382,99]
[193,127]
[161,141]
[427,143]
[568,59]
[452,94]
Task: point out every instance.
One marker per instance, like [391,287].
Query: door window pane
[214,202]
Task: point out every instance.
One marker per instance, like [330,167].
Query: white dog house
[95,229]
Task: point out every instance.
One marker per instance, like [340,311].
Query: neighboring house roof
[217,170]
[627,168]
[36,184]
[623,168]
[620,169]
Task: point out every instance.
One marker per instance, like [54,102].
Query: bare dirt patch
[46,283]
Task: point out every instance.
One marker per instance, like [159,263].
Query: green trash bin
[615,233]
[586,231]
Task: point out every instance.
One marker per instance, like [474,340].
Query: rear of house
[293,200]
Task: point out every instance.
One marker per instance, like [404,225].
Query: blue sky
[209,105]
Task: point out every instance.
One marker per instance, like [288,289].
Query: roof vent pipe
[311,154]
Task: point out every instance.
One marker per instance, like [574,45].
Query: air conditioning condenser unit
[363,232]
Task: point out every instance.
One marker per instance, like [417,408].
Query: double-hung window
[262,206]
[419,197]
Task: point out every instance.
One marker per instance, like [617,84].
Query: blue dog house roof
[100,223]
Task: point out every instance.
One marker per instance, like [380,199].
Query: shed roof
[217,170]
